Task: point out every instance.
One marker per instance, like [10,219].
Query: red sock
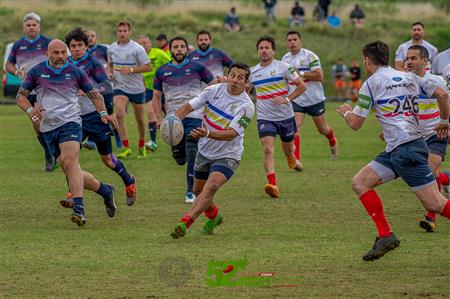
[141,142]
[443,178]
[125,143]
[212,212]
[432,216]
[187,219]
[272,178]
[374,207]
[446,211]
[330,137]
[297,146]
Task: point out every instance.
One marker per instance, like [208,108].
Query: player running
[58,111]
[312,101]
[394,97]
[180,81]
[275,115]
[227,111]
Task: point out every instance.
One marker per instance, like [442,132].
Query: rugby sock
[374,207]
[125,143]
[297,146]
[104,190]
[117,138]
[330,137]
[78,205]
[190,175]
[41,140]
[443,178]
[212,212]
[187,219]
[271,178]
[152,129]
[121,170]
[141,143]
[446,211]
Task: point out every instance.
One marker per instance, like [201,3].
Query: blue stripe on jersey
[371,95]
[267,80]
[217,110]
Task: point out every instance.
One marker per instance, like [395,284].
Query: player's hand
[81,93]
[199,132]
[344,108]
[442,130]
[280,100]
[124,70]
[36,113]
[21,74]
[110,119]
[221,79]
[159,120]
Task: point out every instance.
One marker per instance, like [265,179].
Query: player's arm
[399,65]
[99,104]
[183,111]
[299,89]
[223,135]
[442,98]
[353,121]
[157,107]
[313,75]
[355,117]
[11,68]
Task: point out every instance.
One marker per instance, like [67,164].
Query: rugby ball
[172,130]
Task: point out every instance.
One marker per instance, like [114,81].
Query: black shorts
[313,110]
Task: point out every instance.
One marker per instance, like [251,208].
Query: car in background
[10,82]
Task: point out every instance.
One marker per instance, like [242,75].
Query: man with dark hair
[98,51]
[161,41]
[180,81]
[269,8]
[394,96]
[297,16]
[275,115]
[232,22]
[428,118]
[93,128]
[27,52]
[228,111]
[357,16]
[417,35]
[127,61]
[212,58]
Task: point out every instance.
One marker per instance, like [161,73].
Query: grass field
[312,238]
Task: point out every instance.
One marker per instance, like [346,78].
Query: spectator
[339,73]
[323,4]
[269,6]
[161,41]
[297,16]
[357,16]
[318,13]
[232,22]
[355,80]
[333,20]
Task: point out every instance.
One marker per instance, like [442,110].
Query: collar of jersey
[76,62]
[31,41]
[178,66]
[57,71]
[382,69]
[204,53]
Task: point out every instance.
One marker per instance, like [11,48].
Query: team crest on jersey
[68,77]
[273,73]
[233,108]
[187,72]
[38,47]
[397,79]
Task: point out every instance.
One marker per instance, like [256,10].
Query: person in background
[232,22]
[357,16]
[297,16]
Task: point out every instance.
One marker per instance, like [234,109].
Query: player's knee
[212,188]
[435,204]
[324,130]
[67,161]
[268,150]
[358,185]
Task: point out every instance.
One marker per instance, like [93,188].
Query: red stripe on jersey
[272,95]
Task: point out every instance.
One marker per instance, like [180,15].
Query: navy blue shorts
[179,150]
[204,166]
[32,98]
[313,110]
[98,132]
[109,103]
[148,95]
[285,128]
[408,161]
[67,132]
[437,146]
[136,98]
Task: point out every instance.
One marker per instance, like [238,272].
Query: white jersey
[440,62]
[429,114]
[394,96]
[128,55]
[306,61]
[400,54]
[270,82]
[446,74]
[222,111]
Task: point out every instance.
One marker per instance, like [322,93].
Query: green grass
[313,236]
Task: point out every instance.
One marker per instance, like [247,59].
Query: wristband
[103,113]
[443,121]
[29,110]
[131,70]
[207,133]
[346,113]
[302,74]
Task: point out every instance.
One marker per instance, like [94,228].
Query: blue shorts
[408,161]
[98,132]
[437,146]
[313,110]
[136,98]
[32,98]
[70,131]
[285,128]
[204,166]
[148,95]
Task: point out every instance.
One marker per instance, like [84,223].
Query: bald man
[57,111]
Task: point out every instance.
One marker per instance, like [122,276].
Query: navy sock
[78,205]
[120,170]
[190,176]
[41,140]
[104,190]
[152,129]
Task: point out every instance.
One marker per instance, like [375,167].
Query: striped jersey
[428,114]
[306,61]
[131,54]
[214,59]
[180,83]
[100,52]
[56,91]
[270,82]
[27,53]
[394,96]
[222,111]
